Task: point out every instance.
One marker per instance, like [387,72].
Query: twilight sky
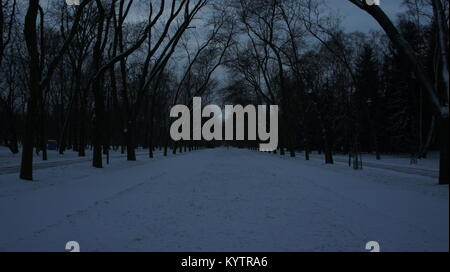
[355,19]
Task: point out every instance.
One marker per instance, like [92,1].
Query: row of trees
[105,74]
[378,92]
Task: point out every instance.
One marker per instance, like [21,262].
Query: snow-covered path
[223,200]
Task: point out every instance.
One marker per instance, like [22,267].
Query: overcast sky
[355,19]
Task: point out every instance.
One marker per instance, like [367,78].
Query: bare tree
[161,51]
[38,81]
[7,18]
[437,89]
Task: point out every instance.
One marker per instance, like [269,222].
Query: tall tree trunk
[26,169]
[11,138]
[131,149]
[174,149]
[151,128]
[43,129]
[97,132]
[97,89]
[444,160]
[166,147]
[83,120]
[306,149]
[424,149]
[328,149]
[36,84]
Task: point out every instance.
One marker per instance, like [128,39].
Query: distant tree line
[346,92]
[103,75]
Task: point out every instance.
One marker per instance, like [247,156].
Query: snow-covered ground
[9,159]
[223,200]
[430,163]
[10,163]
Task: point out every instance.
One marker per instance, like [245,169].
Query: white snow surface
[222,200]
